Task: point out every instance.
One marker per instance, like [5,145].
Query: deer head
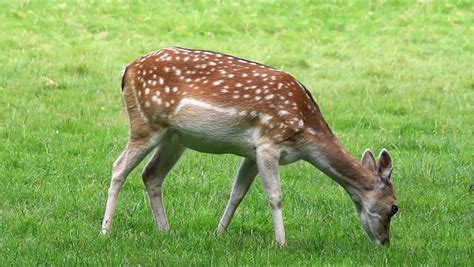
[380,203]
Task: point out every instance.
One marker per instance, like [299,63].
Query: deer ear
[384,170]
[368,160]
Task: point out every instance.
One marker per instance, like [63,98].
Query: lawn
[398,76]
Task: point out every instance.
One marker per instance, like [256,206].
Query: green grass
[398,76]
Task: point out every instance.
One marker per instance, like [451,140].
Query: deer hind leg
[138,147]
[166,156]
[243,181]
[268,165]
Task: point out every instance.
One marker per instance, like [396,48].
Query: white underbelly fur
[216,132]
[219,130]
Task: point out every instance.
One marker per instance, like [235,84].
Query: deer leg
[166,156]
[136,150]
[268,165]
[243,180]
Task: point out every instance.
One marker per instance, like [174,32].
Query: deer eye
[394,209]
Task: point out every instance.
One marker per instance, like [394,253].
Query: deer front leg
[268,165]
[166,156]
[244,178]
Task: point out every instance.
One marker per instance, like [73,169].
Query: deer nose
[385,241]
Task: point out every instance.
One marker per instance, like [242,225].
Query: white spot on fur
[300,124]
[268,97]
[264,118]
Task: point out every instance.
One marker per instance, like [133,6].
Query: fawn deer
[179,98]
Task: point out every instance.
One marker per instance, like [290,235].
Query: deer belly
[217,137]
[206,127]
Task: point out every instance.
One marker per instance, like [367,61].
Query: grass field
[398,76]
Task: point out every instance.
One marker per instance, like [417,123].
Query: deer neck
[327,154]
